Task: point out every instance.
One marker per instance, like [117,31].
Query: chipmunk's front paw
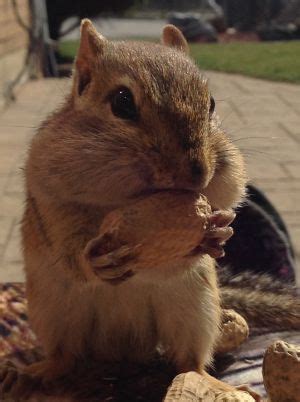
[16,384]
[109,261]
[217,233]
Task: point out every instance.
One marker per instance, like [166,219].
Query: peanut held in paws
[157,230]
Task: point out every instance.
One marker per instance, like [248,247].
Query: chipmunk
[139,118]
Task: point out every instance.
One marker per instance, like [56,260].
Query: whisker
[256,152]
[247,153]
[254,138]
[17,125]
[226,117]
[223,99]
[260,155]
[233,110]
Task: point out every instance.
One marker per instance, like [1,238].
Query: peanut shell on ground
[193,387]
[234,331]
[281,372]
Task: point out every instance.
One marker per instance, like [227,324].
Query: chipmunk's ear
[173,37]
[90,47]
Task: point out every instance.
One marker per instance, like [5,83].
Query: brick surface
[294,169]
[12,35]
[262,117]
[6,226]
[12,253]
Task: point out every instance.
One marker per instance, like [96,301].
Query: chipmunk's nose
[197,170]
[199,173]
[193,176]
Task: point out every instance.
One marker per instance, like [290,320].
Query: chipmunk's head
[140,118]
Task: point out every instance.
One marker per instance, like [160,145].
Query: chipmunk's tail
[261,300]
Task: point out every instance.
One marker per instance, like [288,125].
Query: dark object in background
[275,31]
[286,26]
[246,15]
[194,27]
[290,13]
[261,242]
[58,11]
[271,19]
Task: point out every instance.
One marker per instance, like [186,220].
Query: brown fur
[262,300]
[84,162]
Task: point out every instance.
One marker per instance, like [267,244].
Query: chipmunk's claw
[110,261]
[112,267]
[221,218]
[15,384]
[214,241]
[217,233]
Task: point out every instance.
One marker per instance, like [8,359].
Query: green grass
[277,61]
[68,48]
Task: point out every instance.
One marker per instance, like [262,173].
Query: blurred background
[49,30]
[249,49]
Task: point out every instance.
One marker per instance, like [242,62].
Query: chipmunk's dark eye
[212,106]
[122,104]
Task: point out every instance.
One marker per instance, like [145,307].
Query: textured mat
[123,382]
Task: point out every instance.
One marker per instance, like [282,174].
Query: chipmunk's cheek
[227,187]
[145,173]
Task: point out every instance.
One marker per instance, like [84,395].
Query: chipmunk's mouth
[150,191]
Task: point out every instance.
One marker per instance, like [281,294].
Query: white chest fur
[129,320]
